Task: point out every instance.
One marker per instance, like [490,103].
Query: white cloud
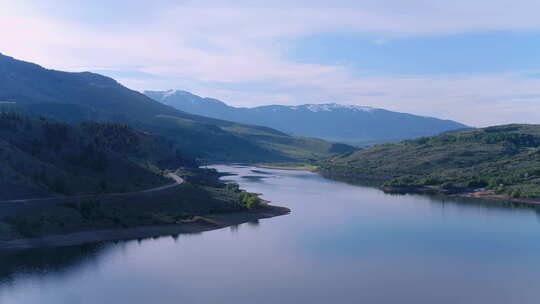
[198,44]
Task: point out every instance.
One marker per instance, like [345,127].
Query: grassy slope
[505,159]
[235,142]
[76,97]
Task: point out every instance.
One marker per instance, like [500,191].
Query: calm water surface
[341,244]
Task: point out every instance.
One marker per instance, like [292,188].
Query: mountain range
[76,97]
[333,122]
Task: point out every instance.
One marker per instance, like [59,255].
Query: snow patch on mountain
[169,93]
[328,107]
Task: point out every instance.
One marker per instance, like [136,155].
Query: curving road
[177,181]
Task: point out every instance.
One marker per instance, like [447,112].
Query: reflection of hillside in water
[49,260]
[65,260]
[442,200]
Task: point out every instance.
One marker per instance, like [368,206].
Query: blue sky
[478,63]
[486,52]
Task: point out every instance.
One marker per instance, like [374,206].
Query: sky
[477,62]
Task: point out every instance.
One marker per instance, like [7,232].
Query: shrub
[516,193]
[59,185]
[403,181]
[534,172]
[477,183]
[89,210]
[232,187]
[430,181]
[25,226]
[494,183]
[448,185]
[251,200]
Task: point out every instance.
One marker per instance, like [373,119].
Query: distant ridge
[76,97]
[331,121]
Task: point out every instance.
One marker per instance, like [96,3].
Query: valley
[82,154]
[78,97]
[269,152]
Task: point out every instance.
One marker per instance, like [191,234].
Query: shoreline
[201,224]
[292,167]
[483,195]
[495,197]
[375,181]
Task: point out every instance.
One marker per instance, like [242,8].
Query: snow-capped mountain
[328,107]
[335,122]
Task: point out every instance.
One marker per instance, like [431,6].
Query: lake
[342,243]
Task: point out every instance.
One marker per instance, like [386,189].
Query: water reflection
[48,260]
[254,178]
[254,224]
[261,172]
[341,244]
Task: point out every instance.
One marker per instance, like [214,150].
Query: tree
[251,200]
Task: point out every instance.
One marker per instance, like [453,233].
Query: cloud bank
[239,51]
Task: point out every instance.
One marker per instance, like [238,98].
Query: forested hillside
[503,159]
[43,158]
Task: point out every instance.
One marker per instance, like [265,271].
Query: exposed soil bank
[201,224]
[488,195]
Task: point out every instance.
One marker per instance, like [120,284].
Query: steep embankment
[503,160]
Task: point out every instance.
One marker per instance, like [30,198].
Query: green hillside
[503,159]
[76,97]
[45,158]
[201,195]
[60,178]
